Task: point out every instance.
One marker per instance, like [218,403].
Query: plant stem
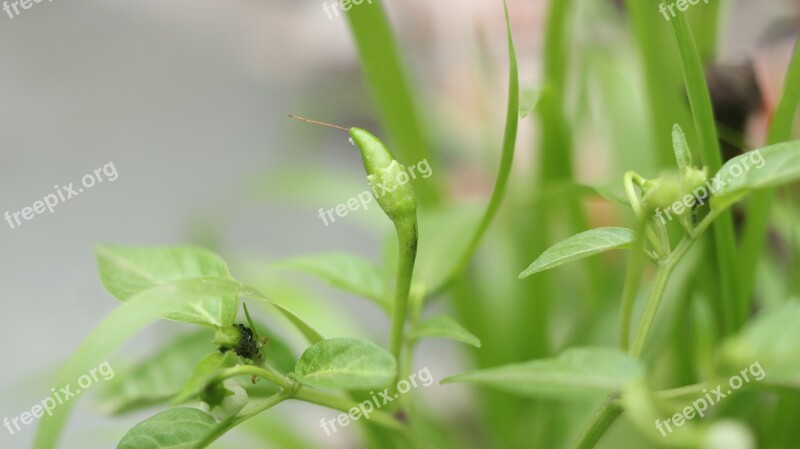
[632,277]
[660,284]
[599,423]
[345,405]
[734,303]
[407,235]
[232,422]
[605,415]
[267,374]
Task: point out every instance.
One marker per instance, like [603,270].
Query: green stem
[606,415]
[632,277]
[690,391]
[345,405]
[660,284]
[599,423]
[735,304]
[651,308]
[407,235]
[265,373]
[224,426]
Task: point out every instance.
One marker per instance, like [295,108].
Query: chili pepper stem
[318,123]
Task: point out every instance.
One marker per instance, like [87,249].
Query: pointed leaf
[768,167]
[574,375]
[126,271]
[347,363]
[580,246]
[130,318]
[176,428]
[444,327]
[158,377]
[347,272]
[683,155]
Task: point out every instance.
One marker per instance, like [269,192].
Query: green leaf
[347,363]
[771,166]
[683,155]
[160,377]
[204,371]
[130,318]
[126,271]
[580,246]
[157,378]
[176,428]
[506,158]
[771,340]
[574,375]
[347,272]
[445,327]
[528,100]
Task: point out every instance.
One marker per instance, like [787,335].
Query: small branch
[599,423]
[345,405]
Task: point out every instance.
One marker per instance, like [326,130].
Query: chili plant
[540,376]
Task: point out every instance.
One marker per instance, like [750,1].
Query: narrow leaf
[123,323]
[126,271]
[572,376]
[347,363]
[443,326]
[347,272]
[176,428]
[683,155]
[156,378]
[768,167]
[580,246]
[130,318]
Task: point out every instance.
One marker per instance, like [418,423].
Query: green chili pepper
[390,184]
[388,178]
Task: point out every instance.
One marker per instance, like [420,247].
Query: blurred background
[189,101]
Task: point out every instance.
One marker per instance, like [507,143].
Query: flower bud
[692,178]
[662,192]
[388,178]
